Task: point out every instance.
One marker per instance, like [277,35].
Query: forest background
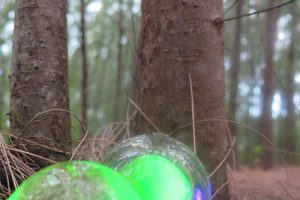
[261,65]
[111,41]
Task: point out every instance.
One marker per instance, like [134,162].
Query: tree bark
[120,63]
[39,77]
[266,116]
[84,86]
[178,38]
[290,140]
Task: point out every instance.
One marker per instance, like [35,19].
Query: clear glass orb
[160,167]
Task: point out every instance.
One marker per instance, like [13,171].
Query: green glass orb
[160,168]
[76,180]
[156,177]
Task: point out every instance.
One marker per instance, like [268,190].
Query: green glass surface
[76,180]
[155,177]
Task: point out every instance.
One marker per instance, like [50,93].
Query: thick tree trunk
[179,38]
[290,141]
[84,87]
[39,77]
[266,116]
[120,63]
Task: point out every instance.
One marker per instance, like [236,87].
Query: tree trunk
[235,70]
[179,38]
[266,116]
[120,63]
[235,67]
[39,77]
[290,141]
[84,87]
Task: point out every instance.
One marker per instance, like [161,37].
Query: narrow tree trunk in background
[2,79]
[133,84]
[179,38]
[235,67]
[266,116]
[84,87]
[235,70]
[39,77]
[290,140]
[120,64]
[250,120]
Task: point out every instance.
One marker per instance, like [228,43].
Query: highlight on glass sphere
[160,167]
[76,180]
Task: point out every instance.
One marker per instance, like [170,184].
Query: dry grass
[95,148]
[17,164]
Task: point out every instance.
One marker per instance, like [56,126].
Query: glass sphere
[160,167]
[76,180]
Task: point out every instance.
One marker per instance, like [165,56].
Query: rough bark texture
[120,63]
[84,86]
[179,38]
[266,116]
[39,76]
[290,141]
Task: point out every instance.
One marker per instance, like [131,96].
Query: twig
[31,154]
[61,110]
[246,126]
[230,141]
[9,165]
[219,189]
[224,159]
[37,144]
[144,115]
[193,114]
[234,3]
[286,191]
[80,143]
[47,111]
[259,11]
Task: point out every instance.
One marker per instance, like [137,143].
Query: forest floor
[274,184]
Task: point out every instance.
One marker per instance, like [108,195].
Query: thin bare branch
[193,114]
[144,115]
[224,159]
[259,11]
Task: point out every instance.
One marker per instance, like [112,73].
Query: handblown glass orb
[76,180]
[160,167]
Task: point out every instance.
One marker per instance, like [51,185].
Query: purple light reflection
[197,193]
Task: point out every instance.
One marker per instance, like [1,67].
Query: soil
[274,184]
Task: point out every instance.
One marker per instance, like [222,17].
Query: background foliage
[102,44]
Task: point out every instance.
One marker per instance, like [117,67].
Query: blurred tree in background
[265,124]
[110,51]
[253,38]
